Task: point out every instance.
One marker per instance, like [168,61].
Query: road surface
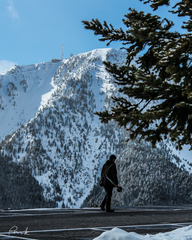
[86,224]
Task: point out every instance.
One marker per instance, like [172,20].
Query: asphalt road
[85,224]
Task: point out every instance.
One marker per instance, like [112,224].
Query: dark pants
[107,200]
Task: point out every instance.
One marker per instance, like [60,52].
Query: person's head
[112,158]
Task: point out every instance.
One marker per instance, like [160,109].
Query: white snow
[32,87]
[45,97]
[28,91]
[184,233]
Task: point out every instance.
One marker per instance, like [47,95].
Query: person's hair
[112,157]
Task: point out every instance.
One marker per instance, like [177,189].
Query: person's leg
[108,199]
[103,203]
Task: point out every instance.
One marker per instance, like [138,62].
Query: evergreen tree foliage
[148,177]
[155,84]
[18,188]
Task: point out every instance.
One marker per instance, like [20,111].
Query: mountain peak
[64,143]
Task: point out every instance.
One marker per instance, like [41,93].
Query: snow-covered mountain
[49,128]
[63,143]
[21,93]
[148,177]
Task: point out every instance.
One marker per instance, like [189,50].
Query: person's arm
[114,174]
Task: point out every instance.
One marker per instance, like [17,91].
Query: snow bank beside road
[184,233]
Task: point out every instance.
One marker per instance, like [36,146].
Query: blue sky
[34,31]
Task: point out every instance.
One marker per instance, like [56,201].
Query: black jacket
[109,167]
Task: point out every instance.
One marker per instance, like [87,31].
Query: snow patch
[184,233]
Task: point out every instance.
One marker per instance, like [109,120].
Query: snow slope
[21,92]
[65,144]
[50,108]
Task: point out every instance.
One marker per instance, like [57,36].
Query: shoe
[102,208]
[110,210]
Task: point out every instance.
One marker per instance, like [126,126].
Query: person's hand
[119,189]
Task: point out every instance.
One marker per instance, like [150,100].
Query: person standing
[109,170]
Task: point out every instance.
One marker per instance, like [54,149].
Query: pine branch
[157,74]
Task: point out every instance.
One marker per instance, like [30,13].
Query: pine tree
[155,84]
